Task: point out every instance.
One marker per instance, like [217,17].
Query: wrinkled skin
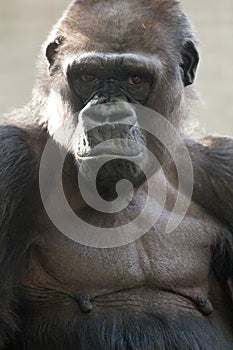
[162,291]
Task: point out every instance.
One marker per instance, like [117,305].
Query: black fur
[145,331]
[17,184]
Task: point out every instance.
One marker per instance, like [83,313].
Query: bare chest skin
[159,259]
[159,272]
[177,262]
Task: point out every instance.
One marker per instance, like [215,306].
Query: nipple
[85,304]
[204,305]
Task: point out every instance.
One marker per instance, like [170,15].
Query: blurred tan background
[25,24]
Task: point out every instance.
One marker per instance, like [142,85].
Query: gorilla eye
[89,78]
[134,80]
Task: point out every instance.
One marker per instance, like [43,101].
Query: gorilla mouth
[125,141]
[112,151]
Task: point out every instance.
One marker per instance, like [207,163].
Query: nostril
[103,99]
[118,98]
[100,99]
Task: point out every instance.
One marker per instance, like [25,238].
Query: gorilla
[111,101]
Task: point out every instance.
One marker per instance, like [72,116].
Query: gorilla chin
[113,170]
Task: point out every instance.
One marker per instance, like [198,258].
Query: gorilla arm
[16,212]
[212,159]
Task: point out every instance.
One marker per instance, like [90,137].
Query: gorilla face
[98,87]
[107,127]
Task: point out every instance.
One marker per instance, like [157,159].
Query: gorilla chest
[168,261]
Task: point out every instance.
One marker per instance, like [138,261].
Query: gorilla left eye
[89,78]
[134,80]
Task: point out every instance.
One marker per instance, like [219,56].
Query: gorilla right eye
[134,80]
[88,78]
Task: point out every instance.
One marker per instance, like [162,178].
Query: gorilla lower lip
[111,155]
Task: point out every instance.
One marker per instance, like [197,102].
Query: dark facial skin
[114,81]
[128,75]
[170,291]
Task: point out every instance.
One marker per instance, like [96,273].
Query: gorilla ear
[52,49]
[190,58]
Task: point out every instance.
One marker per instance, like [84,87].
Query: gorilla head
[104,56]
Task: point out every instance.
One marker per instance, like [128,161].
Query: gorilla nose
[110,112]
[108,108]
